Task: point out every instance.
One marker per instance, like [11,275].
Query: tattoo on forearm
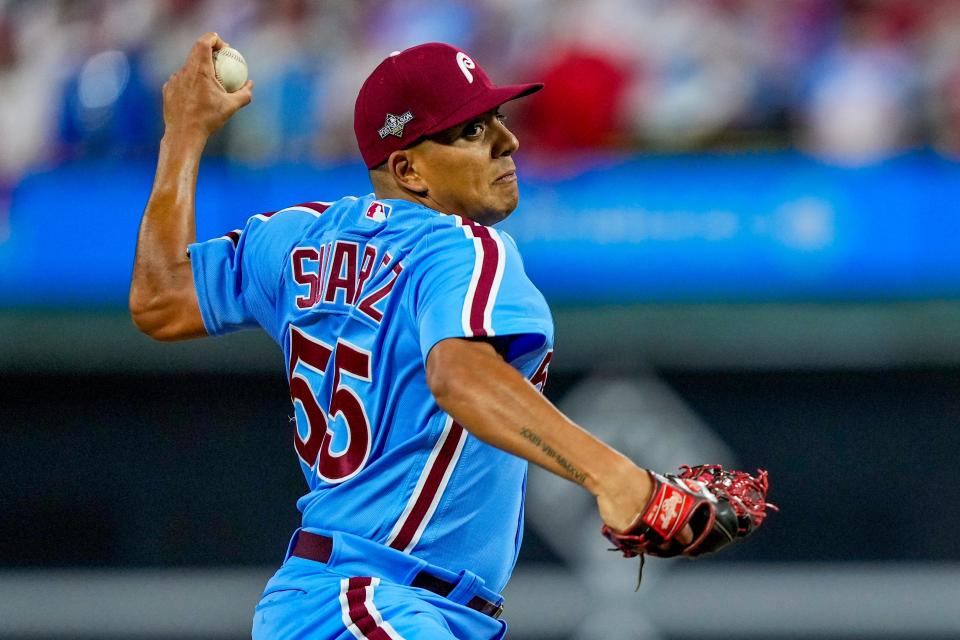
[575,474]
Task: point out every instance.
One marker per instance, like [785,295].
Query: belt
[312,546]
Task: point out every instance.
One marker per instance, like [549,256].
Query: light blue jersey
[357,293]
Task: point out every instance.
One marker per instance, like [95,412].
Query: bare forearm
[503,409]
[513,416]
[161,271]
[174,186]
[168,224]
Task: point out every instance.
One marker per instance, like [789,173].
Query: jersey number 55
[316,447]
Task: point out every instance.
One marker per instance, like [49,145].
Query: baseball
[230,68]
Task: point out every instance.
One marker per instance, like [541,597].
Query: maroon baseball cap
[419,92]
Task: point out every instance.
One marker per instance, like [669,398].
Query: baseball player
[416,351]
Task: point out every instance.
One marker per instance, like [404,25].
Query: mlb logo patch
[378,211]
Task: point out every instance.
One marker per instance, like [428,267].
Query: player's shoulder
[463,231]
[295,219]
[314,209]
[452,239]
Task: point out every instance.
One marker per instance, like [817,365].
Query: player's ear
[401,166]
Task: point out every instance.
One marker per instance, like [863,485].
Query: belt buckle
[497,612]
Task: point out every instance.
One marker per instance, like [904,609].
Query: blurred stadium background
[744,214]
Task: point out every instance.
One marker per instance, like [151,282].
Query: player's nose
[506,143]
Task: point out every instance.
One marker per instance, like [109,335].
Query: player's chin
[495,205]
[507,199]
[499,213]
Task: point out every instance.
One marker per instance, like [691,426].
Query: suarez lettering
[336,274]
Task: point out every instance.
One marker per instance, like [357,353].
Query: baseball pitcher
[416,351]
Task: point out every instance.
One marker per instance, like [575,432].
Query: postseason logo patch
[378,211]
[393,125]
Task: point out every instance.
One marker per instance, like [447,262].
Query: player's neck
[391,192]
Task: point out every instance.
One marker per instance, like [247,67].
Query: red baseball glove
[720,507]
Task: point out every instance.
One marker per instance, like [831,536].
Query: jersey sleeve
[470,282]
[237,276]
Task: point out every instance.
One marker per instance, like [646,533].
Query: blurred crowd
[852,81]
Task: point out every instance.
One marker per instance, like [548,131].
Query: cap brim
[483,103]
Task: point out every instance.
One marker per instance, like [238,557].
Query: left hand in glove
[719,506]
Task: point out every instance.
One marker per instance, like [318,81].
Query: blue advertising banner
[692,228]
[722,228]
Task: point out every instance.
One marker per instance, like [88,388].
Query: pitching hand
[193,100]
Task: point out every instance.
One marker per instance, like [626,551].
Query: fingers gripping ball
[720,507]
[230,68]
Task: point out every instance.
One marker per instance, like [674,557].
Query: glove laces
[643,559]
